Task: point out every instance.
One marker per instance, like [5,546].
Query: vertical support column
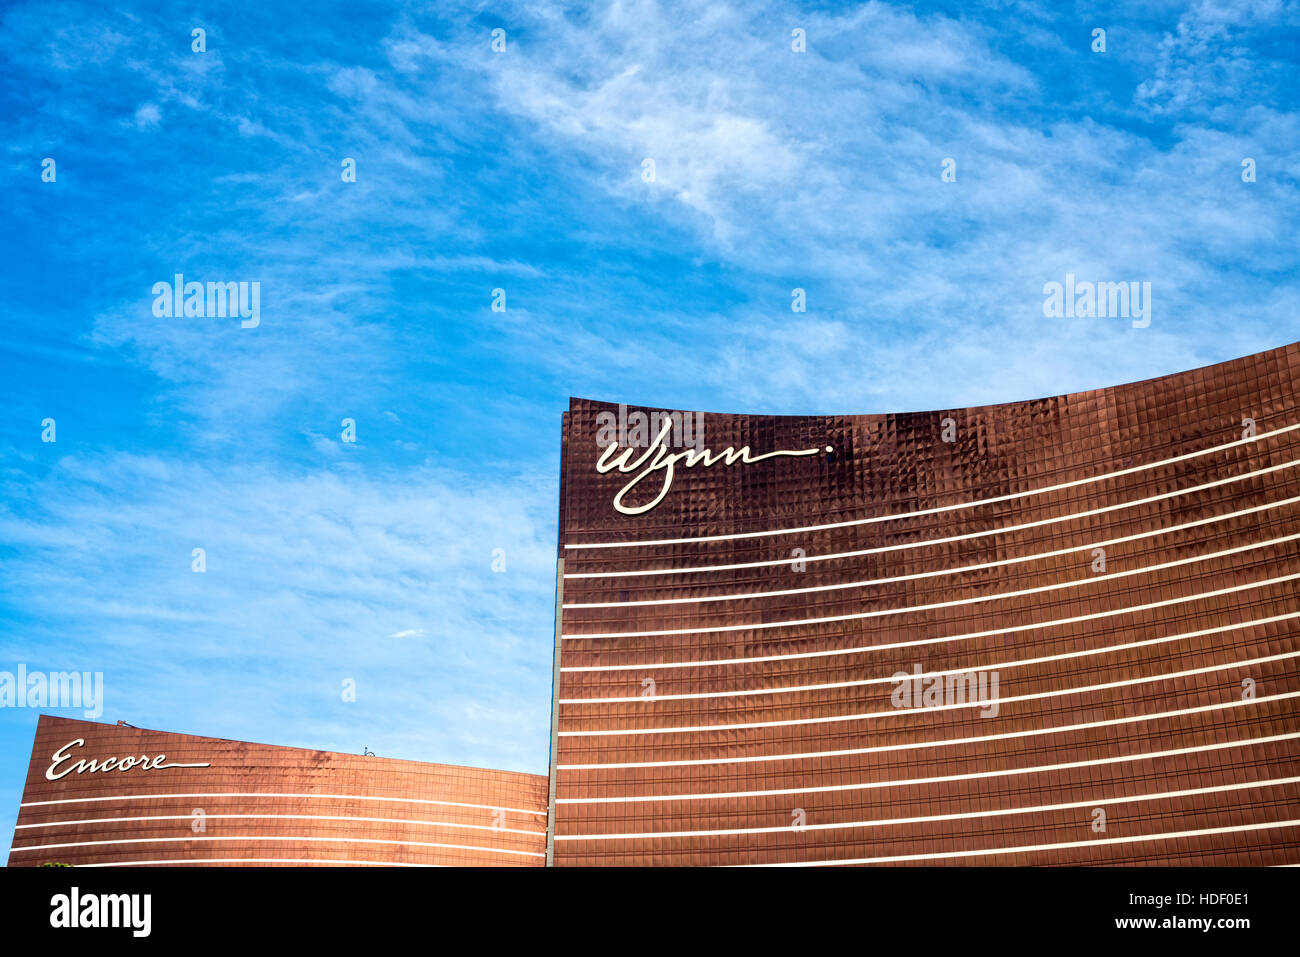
[555,712]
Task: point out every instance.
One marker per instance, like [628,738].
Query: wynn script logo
[657,458]
[143,762]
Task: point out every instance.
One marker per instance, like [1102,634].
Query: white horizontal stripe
[977,599]
[889,822]
[1065,845]
[276,794]
[1074,483]
[909,782]
[902,712]
[927,542]
[1011,629]
[944,742]
[282,838]
[863,583]
[998,666]
[255,860]
[280,817]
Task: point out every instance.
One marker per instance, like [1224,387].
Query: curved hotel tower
[1062,631]
[102,795]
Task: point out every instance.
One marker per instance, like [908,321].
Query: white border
[1010,629]
[282,838]
[939,743]
[863,583]
[279,817]
[923,543]
[946,508]
[1169,835]
[911,782]
[889,822]
[276,794]
[973,600]
[995,666]
[901,712]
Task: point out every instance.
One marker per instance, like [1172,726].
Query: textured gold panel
[260,804]
[1155,688]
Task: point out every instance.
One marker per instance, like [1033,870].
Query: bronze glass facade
[216,802]
[1062,631]
[1092,598]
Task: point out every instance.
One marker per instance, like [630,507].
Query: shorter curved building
[104,795]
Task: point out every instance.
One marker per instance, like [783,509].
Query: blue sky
[522,170]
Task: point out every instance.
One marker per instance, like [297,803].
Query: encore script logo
[657,458]
[143,762]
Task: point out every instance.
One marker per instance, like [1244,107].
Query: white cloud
[147,116]
[305,572]
[822,169]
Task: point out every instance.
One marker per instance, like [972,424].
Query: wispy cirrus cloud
[306,580]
